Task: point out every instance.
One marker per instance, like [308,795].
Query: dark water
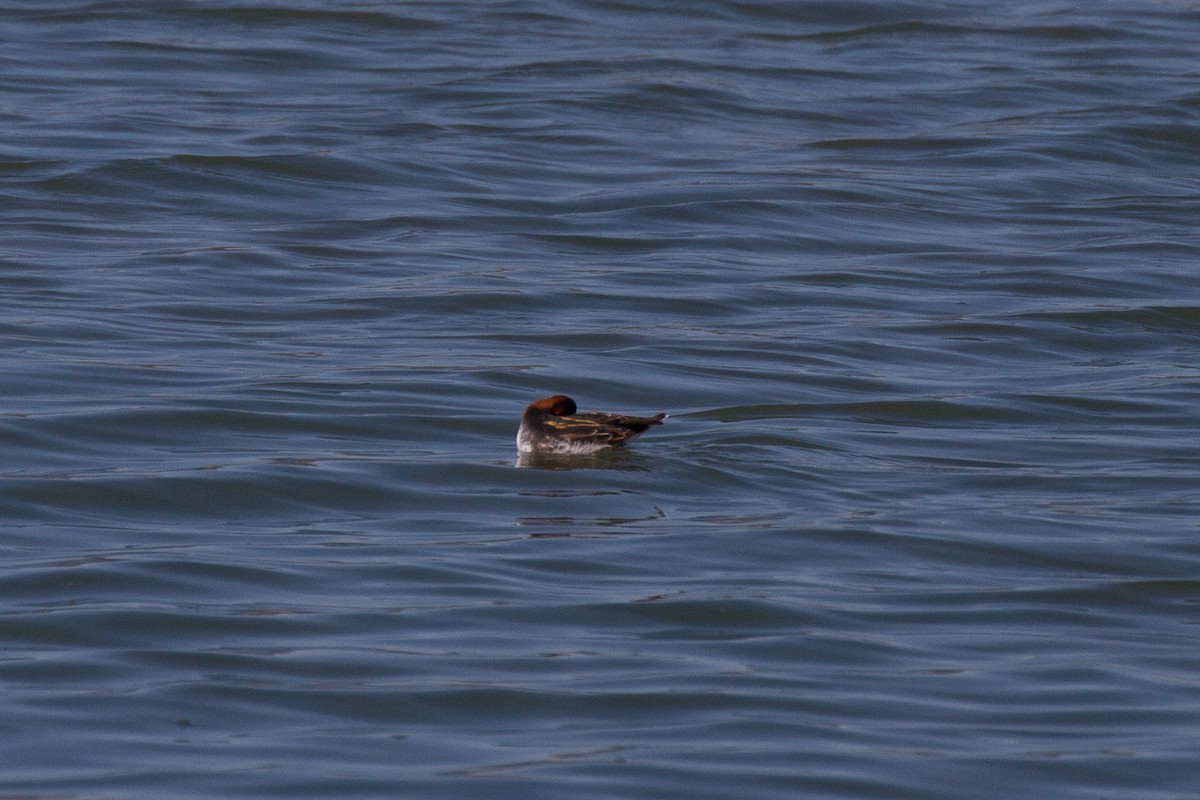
[918,283]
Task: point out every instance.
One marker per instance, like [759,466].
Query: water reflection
[588,522]
[616,458]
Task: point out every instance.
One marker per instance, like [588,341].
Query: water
[916,282]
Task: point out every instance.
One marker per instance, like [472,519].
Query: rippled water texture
[916,281]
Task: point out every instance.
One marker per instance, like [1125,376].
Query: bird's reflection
[583,524]
[617,458]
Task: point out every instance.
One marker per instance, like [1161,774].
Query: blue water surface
[916,281]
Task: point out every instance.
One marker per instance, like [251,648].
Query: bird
[551,425]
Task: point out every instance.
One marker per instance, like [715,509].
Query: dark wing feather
[597,427]
[620,427]
[580,427]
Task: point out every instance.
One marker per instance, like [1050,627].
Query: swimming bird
[550,425]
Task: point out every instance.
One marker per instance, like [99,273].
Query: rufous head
[559,405]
